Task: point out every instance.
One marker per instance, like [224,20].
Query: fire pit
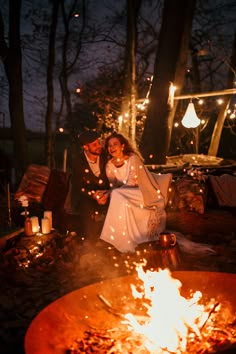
[97,307]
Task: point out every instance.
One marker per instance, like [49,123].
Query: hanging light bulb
[190,119]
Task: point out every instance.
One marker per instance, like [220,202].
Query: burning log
[93,342]
[104,342]
[111,342]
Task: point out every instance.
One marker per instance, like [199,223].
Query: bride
[136,212]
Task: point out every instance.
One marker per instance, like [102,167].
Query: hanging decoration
[190,119]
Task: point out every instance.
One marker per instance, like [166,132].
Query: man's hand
[101,196]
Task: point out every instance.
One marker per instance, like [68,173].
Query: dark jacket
[84,182]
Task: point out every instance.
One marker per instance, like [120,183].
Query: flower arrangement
[27,223]
[25,203]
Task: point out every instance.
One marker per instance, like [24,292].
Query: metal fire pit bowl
[59,324]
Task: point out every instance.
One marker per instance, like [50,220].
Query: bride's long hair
[128,148]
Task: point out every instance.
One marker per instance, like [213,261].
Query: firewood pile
[119,341]
[107,342]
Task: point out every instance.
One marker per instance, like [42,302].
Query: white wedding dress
[136,211]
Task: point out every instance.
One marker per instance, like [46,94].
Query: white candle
[48,214]
[45,226]
[35,224]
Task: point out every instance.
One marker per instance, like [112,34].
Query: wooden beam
[206,94]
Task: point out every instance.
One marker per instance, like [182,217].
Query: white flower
[24,201]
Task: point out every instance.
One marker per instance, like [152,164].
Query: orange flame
[171,318]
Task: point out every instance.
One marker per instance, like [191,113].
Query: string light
[172,90]
[120,120]
[220,101]
[232,114]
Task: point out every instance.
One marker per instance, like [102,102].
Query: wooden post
[64,160]
[9,203]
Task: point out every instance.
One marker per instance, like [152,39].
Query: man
[90,185]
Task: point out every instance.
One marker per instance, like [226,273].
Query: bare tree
[50,90]
[155,141]
[69,60]
[128,125]
[12,60]
[215,139]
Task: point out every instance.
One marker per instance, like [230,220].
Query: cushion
[189,194]
[56,191]
[224,188]
[33,183]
